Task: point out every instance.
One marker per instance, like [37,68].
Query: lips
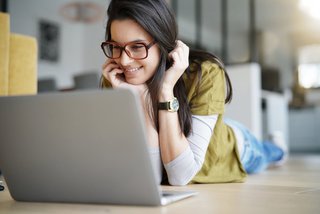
[131,71]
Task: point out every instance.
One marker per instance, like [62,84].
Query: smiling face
[135,71]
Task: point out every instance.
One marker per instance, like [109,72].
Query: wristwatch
[171,105]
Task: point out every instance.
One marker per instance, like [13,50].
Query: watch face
[174,105]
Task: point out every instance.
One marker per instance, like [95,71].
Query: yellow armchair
[18,61]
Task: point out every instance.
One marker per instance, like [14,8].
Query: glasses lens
[112,50]
[137,50]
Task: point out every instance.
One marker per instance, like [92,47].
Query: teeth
[132,69]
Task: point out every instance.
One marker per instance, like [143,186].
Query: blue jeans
[257,155]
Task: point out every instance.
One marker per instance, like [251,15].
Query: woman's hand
[115,75]
[180,62]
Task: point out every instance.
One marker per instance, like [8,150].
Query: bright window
[311,7]
[309,75]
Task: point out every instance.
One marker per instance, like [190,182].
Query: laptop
[79,147]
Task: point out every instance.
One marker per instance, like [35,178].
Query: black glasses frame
[123,48]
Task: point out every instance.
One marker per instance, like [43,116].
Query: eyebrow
[137,40]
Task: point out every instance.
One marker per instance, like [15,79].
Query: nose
[125,59]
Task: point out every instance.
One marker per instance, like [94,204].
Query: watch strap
[171,105]
[164,105]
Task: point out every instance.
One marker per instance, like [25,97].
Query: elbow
[182,178]
[179,182]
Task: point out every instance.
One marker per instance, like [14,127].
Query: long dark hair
[156,18]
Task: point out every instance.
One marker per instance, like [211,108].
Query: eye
[136,47]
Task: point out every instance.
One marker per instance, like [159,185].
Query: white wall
[79,42]
[275,115]
[246,102]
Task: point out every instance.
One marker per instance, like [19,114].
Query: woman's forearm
[171,139]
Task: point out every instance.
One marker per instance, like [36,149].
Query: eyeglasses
[135,50]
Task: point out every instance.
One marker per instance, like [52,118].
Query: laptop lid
[85,146]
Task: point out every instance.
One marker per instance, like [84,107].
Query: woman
[182,92]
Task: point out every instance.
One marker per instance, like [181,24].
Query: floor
[291,189]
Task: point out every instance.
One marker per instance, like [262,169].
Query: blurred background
[279,38]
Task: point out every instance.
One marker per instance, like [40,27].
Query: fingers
[108,65]
[180,58]
[110,70]
[180,55]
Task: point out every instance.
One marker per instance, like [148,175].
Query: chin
[134,81]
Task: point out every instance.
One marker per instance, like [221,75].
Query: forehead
[127,30]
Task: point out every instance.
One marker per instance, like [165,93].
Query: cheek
[154,59]
[152,65]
